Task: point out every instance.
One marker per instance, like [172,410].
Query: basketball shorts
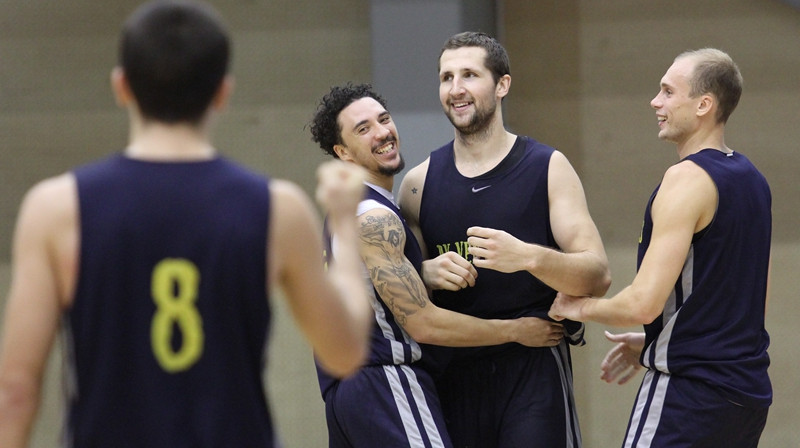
[389,406]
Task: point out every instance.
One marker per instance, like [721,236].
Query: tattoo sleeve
[392,274]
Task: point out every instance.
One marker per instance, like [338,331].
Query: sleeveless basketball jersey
[389,342]
[505,395]
[512,197]
[712,327]
[166,338]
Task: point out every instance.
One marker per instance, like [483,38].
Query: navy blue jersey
[166,338]
[712,327]
[512,197]
[514,200]
[389,342]
[506,395]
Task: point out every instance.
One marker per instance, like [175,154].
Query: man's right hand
[448,271]
[538,332]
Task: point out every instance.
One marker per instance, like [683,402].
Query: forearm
[622,310]
[438,326]
[577,274]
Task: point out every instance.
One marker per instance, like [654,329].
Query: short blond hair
[715,73]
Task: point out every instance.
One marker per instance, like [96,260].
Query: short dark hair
[496,56]
[175,55]
[324,126]
[717,74]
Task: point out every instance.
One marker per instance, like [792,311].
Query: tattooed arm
[400,286]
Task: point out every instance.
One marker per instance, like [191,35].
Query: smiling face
[467,90]
[369,139]
[675,109]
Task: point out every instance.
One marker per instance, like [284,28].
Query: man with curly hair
[392,401]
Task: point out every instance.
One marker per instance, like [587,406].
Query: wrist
[509,330]
[533,253]
[585,310]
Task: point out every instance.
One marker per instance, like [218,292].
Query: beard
[392,170]
[477,123]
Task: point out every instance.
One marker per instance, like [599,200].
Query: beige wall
[584,72]
[56,111]
[56,107]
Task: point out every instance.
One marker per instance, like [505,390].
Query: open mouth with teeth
[460,105]
[387,147]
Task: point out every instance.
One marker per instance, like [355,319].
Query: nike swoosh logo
[475,190]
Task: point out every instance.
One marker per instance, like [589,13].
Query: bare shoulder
[285,190]
[51,207]
[563,184]
[47,233]
[410,193]
[416,176]
[685,169]
[289,201]
[560,166]
[687,193]
[53,195]
[687,178]
[294,228]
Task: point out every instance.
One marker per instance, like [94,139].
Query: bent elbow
[644,314]
[603,283]
[644,318]
[422,334]
[347,363]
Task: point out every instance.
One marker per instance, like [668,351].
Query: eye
[446,77]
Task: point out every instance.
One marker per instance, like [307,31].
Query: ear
[224,92]
[342,152]
[706,105]
[503,86]
[120,87]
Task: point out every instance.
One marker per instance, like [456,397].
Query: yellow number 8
[174,287]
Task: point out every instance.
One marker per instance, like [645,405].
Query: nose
[456,87]
[383,131]
[655,103]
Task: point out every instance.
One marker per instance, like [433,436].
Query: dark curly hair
[325,125]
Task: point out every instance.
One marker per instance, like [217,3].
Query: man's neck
[703,139]
[386,182]
[476,154]
[167,142]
